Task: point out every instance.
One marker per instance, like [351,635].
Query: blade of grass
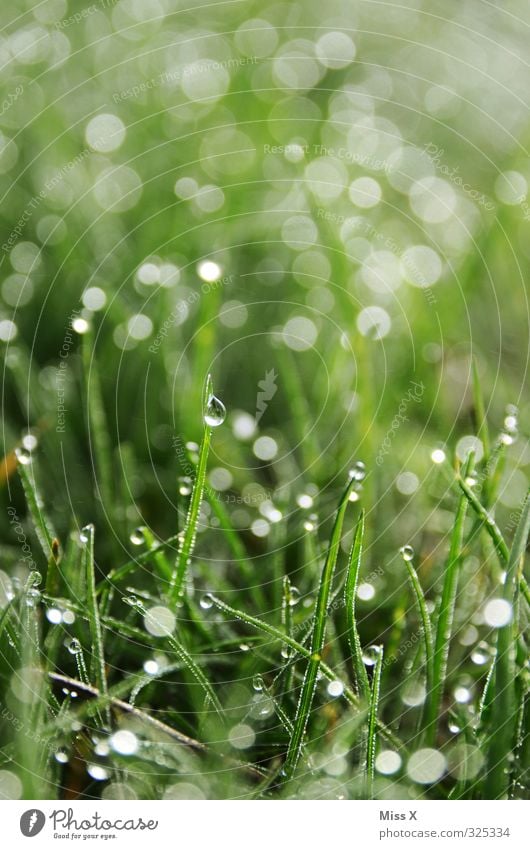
[426,627]
[504,709]
[98,430]
[372,724]
[481,422]
[189,534]
[43,526]
[444,624]
[350,591]
[317,640]
[96,633]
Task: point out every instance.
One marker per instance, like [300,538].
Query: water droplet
[244,647]
[215,412]
[481,653]
[257,683]
[23,456]
[294,596]
[184,485]
[335,688]
[137,537]
[86,532]
[358,473]
[370,655]
[61,756]
[151,667]
[472,480]
[74,646]
[365,591]
[453,727]
[354,495]
[97,772]
[241,736]
[286,652]
[124,742]
[33,597]
[407,552]
[206,601]
[311,522]
[304,501]
[132,601]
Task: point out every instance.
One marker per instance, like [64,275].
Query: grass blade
[444,624]
[426,626]
[189,534]
[372,723]
[504,709]
[350,590]
[96,633]
[317,640]
[43,526]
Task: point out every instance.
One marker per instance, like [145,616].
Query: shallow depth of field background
[325,207]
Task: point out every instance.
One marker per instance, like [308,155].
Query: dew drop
[244,647]
[33,597]
[358,473]
[481,653]
[124,742]
[206,601]
[407,552]
[132,601]
[184,485]
[257,683]
[294,596]
[36,578]
[370,655]
[304,501]
[215,412]
[97,772]
[137,537]
[23,456]
[86,533]
[74,646]
[61,756]
[286,652]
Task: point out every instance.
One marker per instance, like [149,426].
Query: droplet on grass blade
[23,456]
[498,612]
[215,412]
[74,646]
[370,655]
[137,537]
[407,552]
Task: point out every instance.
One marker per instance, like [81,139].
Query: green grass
[235,601]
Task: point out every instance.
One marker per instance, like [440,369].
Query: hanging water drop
[138,536]
[370,655]
[311,522]
[184,485]
[481,653]
[215,412]
[358,473]
[23,456]
[86,532]
[35,577]
[74,646]
[61,756]
[206,601]
[294,596]
[407,552]
[33,597]
[131,600]
[258,683]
